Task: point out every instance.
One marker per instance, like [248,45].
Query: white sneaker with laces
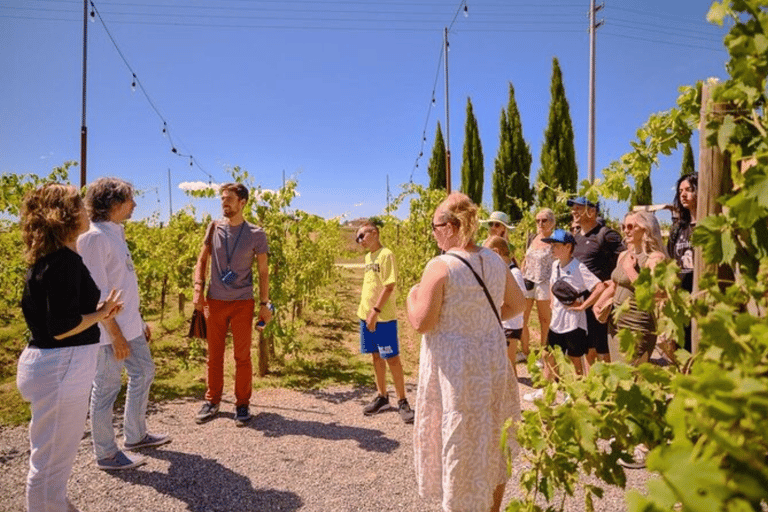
[534,395]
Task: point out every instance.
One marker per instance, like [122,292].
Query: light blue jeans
[56,381]
[106,386]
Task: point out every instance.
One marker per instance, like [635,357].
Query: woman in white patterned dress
[467,388]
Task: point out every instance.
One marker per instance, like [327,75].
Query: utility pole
[447,123]
[170,201]
[591,143]
[83,128]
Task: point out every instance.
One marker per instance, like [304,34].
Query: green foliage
[512,192]
[643,192]
[705,417]
[558,171]
[437,165]
[688,166]
[472,167]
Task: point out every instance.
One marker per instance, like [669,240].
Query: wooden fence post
[714,181]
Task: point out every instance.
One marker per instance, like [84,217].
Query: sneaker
[242,415]
[521,358]
[120,461]
[534,395]
[207,412]
[148,440]
[638,459]
[540,363]
[376,405]
[406,413]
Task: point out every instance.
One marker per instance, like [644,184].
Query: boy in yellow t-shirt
[378,321]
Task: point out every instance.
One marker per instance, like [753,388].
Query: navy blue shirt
[599,250]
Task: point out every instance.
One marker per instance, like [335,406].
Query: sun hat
[583,201]
[501,218]
[560,236]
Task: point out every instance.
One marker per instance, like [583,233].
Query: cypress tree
[687,166]
[558,155]
[436,167]
[512,167]
[472,161]
[643,193]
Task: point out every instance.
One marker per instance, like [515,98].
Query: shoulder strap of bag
[481,283]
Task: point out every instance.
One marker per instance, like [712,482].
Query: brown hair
[240,190]
[104,194]
[50,217]
[459,210]
[497,243]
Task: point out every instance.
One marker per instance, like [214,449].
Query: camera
[227,276]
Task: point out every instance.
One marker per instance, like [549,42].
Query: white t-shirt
[577,275]
[516,322]
[106,255]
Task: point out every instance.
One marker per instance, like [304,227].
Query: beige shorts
[540,291]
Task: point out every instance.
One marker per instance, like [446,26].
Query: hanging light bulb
[93,16]
[433,100]
[466,11]
[133,83]
[173,150]
[165,129]
[190,160]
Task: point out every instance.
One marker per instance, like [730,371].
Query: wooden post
[714,181]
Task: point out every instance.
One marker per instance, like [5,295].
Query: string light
[466,11]
[136,83]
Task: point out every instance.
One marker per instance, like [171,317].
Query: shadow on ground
[207,486]
[274,425]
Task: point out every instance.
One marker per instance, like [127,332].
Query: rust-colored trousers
[221,315]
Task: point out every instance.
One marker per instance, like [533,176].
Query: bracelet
[376,309]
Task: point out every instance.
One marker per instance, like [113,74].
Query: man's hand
[147,333]
[120,346]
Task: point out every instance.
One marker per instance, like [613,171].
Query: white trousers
[57,382]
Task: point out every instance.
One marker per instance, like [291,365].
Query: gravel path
[308,451]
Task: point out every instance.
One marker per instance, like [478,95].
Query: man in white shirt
[124,338]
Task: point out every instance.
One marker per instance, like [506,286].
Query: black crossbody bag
[481,283]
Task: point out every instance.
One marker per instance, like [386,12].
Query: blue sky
[334,93]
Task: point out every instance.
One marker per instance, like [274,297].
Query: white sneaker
[534,395]
[539,363]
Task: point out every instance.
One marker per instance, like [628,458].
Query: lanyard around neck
[234,247]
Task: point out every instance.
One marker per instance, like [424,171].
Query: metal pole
[83,128]
[447,122]
[170,201]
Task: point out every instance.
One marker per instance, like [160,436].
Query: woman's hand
[111,306]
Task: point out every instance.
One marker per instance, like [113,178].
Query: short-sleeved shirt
[105,253]
[380,271]
[244,242]
[599,250]
[681,249]
[58,291]
[577,275]
[516,322]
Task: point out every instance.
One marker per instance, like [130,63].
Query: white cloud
[198,185]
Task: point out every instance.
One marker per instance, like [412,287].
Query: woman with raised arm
[467,389]
[55,372]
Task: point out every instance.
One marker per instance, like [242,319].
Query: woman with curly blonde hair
[467,389]
[55,371]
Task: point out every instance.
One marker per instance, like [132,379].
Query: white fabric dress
[467,390]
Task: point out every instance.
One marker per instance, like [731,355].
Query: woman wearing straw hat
[498,225]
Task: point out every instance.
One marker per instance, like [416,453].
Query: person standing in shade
[230,248]
[124,341]
[598,248]
[378,321]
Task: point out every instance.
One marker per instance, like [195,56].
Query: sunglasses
[495,224]
[628,227]
[541,221]
[435,226]
[361,236]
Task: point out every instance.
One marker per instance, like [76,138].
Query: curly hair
[459,210]
[104,194]
[50,217]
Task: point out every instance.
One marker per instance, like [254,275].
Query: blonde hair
[459,210]
[549,213]
[50,217]
[497,243]
[652,240]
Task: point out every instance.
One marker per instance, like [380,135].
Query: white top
[516,322]
[106,255]
[577,275]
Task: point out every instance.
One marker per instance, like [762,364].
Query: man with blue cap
[598,248]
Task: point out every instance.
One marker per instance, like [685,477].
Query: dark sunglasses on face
[541,221]
[361,236]
[435,226]
[494,224]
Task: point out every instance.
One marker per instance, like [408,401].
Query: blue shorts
[383,340]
